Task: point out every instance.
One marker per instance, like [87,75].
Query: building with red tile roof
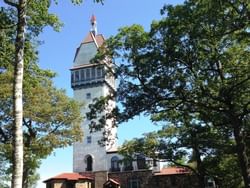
[69,177]
[96,166]
[69,180]
[172,171]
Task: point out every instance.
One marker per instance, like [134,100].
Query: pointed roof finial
[93,25]
[93,18]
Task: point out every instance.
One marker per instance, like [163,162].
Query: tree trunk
[241,153]
[25,176]
[200,167]
[17,95]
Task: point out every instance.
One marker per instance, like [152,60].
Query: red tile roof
[111,181]
[88,38]
[114,181]
[172,171]
[69,176]
[88,174]
[98,39]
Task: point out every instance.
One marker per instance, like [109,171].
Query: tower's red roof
[69,176]
[98,39]
[172,171]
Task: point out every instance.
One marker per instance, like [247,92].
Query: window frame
[134,183]
[88,95]
[77,76]
[82,74]
[89,139]
[88,74]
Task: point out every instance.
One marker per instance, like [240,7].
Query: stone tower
[89,81]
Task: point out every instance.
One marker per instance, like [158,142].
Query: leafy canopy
[190,72]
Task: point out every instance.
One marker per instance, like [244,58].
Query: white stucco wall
[81,149]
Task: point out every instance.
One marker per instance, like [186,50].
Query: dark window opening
[76,76]
[72,77]
[141,162]
[70,184]
[88,96]
[89,161]
[82,74]
[115,164]
[100,72]
[87,74]
[128,166]
[155,163]
[89,139]
[93,73]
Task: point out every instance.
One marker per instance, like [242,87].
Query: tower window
[99,72]
[76,76]
[87,74]
[72,77]
[89,139]
[88,96]
[93,73]
[82,74]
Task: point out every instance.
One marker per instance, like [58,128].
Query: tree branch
[28,124]
[11,3]
[5,138]
[8,27]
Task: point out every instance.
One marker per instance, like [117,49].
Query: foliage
[4,179]
[190,73]
[51,119]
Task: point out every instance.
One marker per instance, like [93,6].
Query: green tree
[193,62]
[33,16]
[51,119]
[192,146]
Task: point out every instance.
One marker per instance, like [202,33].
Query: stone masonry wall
[148,180]
[100,178]
[144,177]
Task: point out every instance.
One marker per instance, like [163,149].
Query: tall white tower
[89,81]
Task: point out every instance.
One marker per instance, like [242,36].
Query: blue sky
[58,51]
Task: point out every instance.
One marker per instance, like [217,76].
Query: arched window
[115,164]
[89,163]
[141,161]
[127,165]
